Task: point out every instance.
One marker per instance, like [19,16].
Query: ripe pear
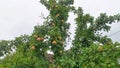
[33,47]
[54,42]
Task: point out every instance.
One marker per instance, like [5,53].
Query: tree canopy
[86,50]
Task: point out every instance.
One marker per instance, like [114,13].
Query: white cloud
[18,17]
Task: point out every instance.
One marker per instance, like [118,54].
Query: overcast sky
[17,17]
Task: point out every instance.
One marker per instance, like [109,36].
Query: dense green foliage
[5,47]
[86,50]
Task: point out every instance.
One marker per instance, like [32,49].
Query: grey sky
[18,17]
